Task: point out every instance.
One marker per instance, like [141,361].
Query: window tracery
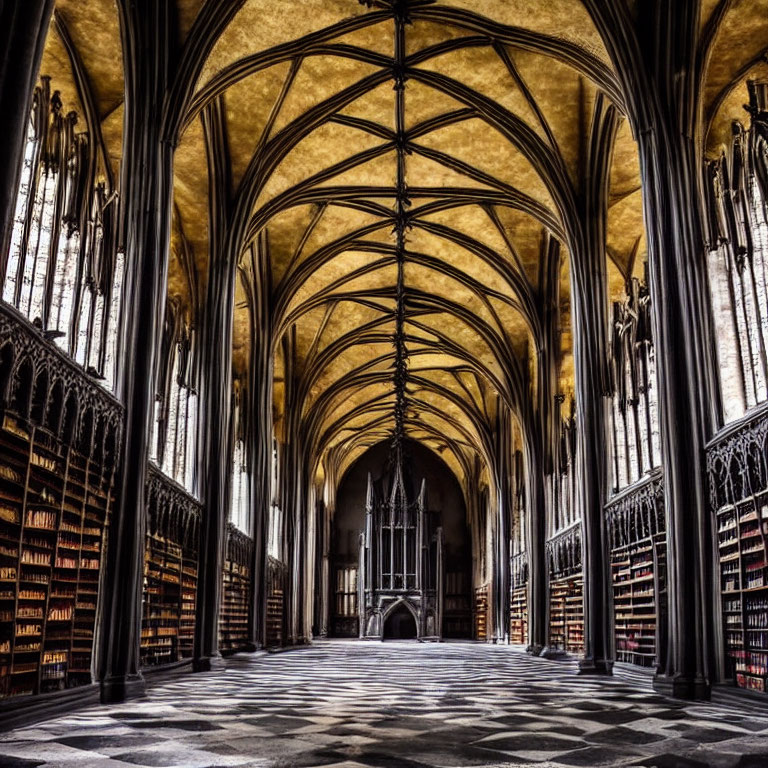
[275,524]
[240,509]
[738,259]
[634,401]
[563,508]
[64,270]
[174,440]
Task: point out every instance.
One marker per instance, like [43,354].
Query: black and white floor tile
[349,704]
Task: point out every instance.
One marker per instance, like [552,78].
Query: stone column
[215,444]
[658,56]
[589,322]
[256,282]
[146,195]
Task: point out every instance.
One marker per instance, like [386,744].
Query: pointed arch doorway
[400,624]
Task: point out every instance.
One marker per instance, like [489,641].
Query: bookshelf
[518,616]
[170,572]
[346,622]
[518,599]
[457,605]
[635,525]
[557,594]
[234,617]
[574,616]
[566,605]
[277,577]
[638,593]
[59,438]
[742,532]
[566,614]
[481,612]
[54,510]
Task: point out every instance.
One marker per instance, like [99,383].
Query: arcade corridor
[453,704]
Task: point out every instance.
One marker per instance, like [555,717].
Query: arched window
[738,259]
[275,534]
[64,270]
[174,435]
[634,404]
[240,510]
[563,507]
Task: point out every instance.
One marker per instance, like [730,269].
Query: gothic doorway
[400,625]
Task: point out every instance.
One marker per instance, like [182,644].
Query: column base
[117,689]
[681,687]
[595,667]
[209,664]
[534,649]
[552,653]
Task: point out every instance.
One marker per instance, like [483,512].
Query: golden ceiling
[307,90]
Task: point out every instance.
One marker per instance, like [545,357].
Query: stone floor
[346,704]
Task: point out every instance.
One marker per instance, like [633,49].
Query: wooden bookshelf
[742,532]
[566,614]
[457,605]
[566,610]
[170,573]
[635,526]
[188,599]
[54,509]
[637,598]
[161,608]
[518,599]
[234,617]
[574,616]
[558,590]
[346,621]
[481,612]
[276,583]
[518,616]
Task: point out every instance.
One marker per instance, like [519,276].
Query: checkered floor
[348,704]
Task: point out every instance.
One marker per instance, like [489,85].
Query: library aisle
[452,704]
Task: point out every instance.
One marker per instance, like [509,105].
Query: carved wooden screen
[64,270]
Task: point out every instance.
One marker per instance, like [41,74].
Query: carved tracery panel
[64,270]
[738,259]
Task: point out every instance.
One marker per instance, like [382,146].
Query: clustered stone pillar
[146,186]
[589,307]
[658,54]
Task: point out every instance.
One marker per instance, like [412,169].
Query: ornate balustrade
[564,552]
[172,512]
[39,383]
[519,570]
[637,512]
[737,460]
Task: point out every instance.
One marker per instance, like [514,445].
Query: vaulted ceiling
[333,110]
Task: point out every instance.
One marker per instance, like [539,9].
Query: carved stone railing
[564,552]
[239,546]
[637,512]
[172,512]
[38,382]
[737,460]
[518,570]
